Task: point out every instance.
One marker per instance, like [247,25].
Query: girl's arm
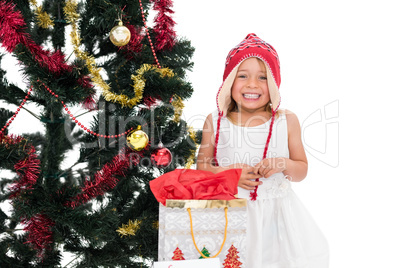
[207,147]
[296,165]
[206,155]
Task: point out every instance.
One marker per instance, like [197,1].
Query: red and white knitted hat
[251,46]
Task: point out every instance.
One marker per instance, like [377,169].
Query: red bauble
[161,157]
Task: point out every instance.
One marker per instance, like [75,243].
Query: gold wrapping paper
[174,203]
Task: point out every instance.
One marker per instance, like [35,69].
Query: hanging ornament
[120,35]
[137,139]
[161,157]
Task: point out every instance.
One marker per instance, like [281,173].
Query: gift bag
[194,229]
[210,263]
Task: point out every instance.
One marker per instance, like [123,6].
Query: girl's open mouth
[251,96]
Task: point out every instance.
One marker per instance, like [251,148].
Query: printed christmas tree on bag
[178,255]
[232,257]
[205,252]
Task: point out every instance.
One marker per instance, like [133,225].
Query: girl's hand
[269,166]
[247,176]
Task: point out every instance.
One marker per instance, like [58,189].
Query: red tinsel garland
[150,101]
[89,103]
[40,235]
[12,33]
[10,140]
[39,226]
[105,179]
[135,45]
[165,34]
[27,168]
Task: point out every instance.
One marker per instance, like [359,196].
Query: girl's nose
[252,83]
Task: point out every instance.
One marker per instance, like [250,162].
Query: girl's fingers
[264,171]
[250,185]
[267,173]
[247,180]
[271,172]
[252,175]
[248,169]
[257,168]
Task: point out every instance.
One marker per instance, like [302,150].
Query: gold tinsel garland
[191,159]
[129,229]
[155,225]
[178,105]
[139,83]
[43,18]
[70,11]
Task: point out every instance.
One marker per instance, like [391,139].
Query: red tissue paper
[196,184]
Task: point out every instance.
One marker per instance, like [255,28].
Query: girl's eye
[241,76]
[263,77]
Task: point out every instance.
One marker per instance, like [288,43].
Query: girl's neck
[247,119]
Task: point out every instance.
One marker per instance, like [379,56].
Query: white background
[341,74]
[345,53]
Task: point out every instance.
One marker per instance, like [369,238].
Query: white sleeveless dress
[280,231]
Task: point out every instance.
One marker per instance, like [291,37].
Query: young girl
[250,133]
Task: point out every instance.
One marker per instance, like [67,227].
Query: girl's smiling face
[250,87]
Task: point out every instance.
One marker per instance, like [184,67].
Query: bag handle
[192,234]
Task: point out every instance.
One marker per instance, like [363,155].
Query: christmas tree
[232,257]
[178,255]
[98,210]
[205,253]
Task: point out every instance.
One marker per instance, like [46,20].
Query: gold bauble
[120,35]
[137,139]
